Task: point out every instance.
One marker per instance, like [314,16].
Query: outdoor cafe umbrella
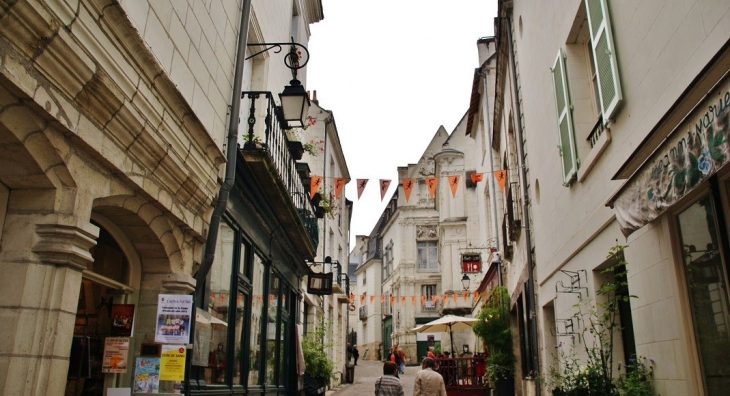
[448,323]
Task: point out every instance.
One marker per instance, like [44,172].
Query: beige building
[114,125]
[623,111]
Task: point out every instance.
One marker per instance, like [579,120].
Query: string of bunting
[315,182]
[403,300]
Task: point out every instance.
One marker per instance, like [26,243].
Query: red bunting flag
[453,183]
[314,183]
[477,177]
[431,183]
[501,176]
[402,300]
[408,187]
[384,184]
[392,300]
[476,295]
[465,296]
[352,298]
[423,300]
[361,183]
[339,183]
[362,299]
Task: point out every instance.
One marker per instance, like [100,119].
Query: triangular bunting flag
[434,298]
[361,183]
[443,299]
[402,300]
[408,187]
[454,297]
[314,183]
[476,295]
[339,183]
[372,299]
[453,183]
[382,298]
[384,184]
[501,176]
[362,299]
[423,300]
[465,296]
[431,183]
[392,300]
[477,177]
[413,300]
[352,298]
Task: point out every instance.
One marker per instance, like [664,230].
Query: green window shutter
[565,120]
[609,86]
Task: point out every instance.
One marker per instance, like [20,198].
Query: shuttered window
[609,86]
[568,152]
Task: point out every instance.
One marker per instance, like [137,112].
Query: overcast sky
[392,72]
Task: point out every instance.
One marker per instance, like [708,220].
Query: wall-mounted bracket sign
[471,262]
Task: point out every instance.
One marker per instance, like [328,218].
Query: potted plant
[319,368]
[493,328]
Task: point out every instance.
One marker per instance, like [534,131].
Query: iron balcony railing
[596,132]
[265,132]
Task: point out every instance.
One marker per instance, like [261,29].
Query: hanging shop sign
[696,150]
[173,318]
[471,263]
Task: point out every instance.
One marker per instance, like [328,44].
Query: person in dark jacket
[355,354]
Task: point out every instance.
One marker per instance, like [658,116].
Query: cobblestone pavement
[366,373]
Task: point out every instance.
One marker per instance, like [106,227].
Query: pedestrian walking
[402,355]
[429,382]
[388,384]
[355,354]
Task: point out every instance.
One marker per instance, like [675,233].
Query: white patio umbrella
[448,323]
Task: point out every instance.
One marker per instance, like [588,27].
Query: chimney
[314,97]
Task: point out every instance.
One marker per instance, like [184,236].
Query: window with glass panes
[428,256]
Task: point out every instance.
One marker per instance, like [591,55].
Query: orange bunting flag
[477,177]
[271,299]
[339,183]
[362,299]
[222,298]
[443,299]
[408,187]
[382,299]
[465,296]
[454,297]
[384,184]
[352,298]
[453,183]
[413,300]
[434,298]
[423,300]
[501,176]
[476,295]
[314,183]
[402,300]
[431,183]
[392,300]
[361,183]
[372,299]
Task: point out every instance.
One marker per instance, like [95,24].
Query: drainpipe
[231,153]
[525,200]
[492,195]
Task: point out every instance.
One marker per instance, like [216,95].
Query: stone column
[41,265]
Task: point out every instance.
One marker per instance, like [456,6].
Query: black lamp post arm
[296,59]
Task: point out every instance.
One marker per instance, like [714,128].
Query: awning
[696,150]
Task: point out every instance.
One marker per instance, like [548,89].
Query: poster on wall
[122,320]
[147,375]
[116,351]
[173,318]
[172,363]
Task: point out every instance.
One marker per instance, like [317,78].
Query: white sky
[392,72]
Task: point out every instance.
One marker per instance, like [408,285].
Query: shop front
[674,210]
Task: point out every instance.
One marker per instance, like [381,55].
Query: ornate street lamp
[465,281]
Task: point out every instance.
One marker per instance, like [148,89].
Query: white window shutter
[565,120]
[609,85]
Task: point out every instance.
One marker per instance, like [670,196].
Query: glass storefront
[706,276]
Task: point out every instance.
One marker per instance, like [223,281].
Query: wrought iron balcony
[596,132]
[265,149]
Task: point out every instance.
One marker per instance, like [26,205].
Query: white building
[623,110]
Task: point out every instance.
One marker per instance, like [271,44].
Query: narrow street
[366,373]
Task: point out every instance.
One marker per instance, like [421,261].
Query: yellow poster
[172,364]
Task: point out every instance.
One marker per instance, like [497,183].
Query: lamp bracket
[297,58]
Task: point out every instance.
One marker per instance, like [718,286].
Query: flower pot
[296,149]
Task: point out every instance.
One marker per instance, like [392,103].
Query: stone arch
[156,241]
